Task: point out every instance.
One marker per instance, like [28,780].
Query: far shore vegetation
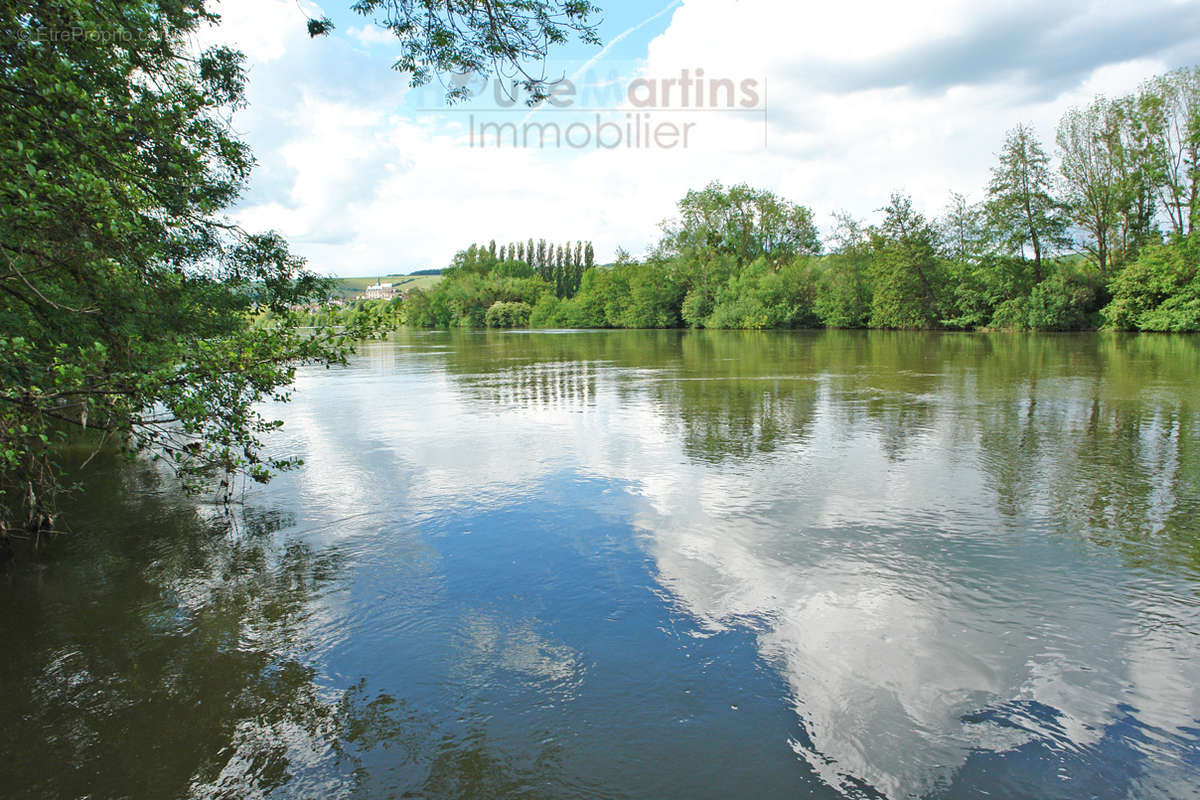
[1101,235]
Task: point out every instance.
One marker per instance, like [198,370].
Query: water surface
[646,564]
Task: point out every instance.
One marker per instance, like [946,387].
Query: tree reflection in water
[165,656]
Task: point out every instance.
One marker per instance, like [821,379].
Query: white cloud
[263,29]
[373,34]
[862,99]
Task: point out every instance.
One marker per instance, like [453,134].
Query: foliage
[1021,209]
[741,257]
[762,297]
[126,296]
[909,279]
[1066,301]
[463,297]
[1167,118]
[500,37]
[843,291]
[1160,291]
[508,315]
[1096,187]
[741,222]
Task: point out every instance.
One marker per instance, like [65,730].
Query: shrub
[1159,291]
[508,315]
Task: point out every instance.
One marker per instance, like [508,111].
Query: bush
[508,315]
[1063,302]
[844,292]
[1159,291]
[1066,301]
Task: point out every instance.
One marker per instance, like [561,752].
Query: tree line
[1102,235]
[562,265]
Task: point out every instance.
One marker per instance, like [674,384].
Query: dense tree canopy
[742,222]
[124,294]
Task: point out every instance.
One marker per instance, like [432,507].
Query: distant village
[377,291]
[380,291]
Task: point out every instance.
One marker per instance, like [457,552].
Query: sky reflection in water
[636,564]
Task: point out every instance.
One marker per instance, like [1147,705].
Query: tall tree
[844,300]
[1021,208]
[1095,191]
[1138,225]
[589,256]
[909,284]
[1169,107]
[962,229]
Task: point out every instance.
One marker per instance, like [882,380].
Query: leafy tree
[513,269]
[762,297]
[1168,108]
[654,297]
[1020,207]
[1063,302]
[1138,224]
[962,229]
[743,222]
[474,259]
[132,309]
[589,257]
[844,282]
[990,292]
[909,281]
[126,297]
[508,315]
[1096,192]
[498,37]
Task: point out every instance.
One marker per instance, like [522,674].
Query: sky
[831,105]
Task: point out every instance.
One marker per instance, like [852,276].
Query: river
[637,564]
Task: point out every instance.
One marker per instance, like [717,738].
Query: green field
[348,287]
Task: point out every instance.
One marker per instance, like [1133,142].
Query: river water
[639,564]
